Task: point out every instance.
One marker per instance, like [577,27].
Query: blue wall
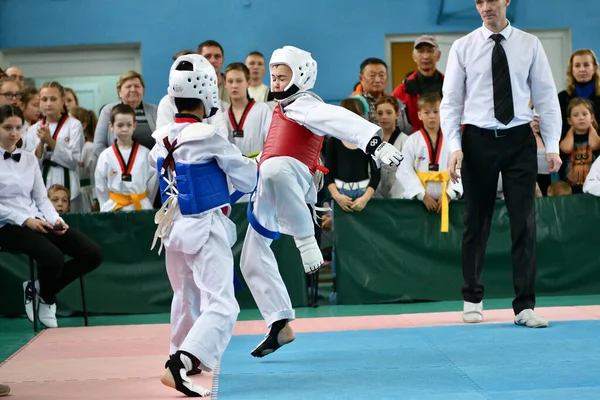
[339,33]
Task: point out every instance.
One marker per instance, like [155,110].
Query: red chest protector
[289,138]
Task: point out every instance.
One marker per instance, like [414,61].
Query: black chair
[32,279]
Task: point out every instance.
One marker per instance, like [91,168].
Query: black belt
[500,133]
[66,178]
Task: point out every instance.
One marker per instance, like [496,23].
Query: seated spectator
[388,112]
[131,89]
[353,175]
[29,224]
[424,172]
[60,198]
[426,79]
[87,163]
[125,180]
[559,188]
[580,143]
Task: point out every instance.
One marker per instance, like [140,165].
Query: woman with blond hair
[583,80]
[130,88]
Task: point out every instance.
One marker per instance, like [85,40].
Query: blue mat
[465,362]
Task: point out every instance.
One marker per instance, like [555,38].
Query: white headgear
[199,83]
[304,68]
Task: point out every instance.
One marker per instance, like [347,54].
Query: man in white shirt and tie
[487,91]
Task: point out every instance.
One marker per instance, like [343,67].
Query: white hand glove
[388,154]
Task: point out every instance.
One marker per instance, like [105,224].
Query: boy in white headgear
[288,163]
[193,163]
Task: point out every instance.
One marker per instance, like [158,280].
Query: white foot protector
[312,258]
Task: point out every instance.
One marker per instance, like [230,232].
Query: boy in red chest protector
[287,168]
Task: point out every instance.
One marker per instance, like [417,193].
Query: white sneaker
[312,258]
[47,314]
[473,312]
[530,319]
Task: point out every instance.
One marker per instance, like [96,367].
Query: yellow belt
[443,177]
[124,200]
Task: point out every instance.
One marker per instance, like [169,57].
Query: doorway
[557,45]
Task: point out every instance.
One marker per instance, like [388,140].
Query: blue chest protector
[200,187]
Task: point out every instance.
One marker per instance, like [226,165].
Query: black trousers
[485,156]
[49,250]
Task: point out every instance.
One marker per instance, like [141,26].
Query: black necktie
[16,157]
[503,101]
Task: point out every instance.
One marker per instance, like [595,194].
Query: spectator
[60,198]
[58,142]
[543,176]
[353,175]
[17,75]
[388,111]
[560,188]
[124,179]
[424,172]
[131,88]
[10,92]
[29,224]
[30,105]
[87,163]
[583,80]
[580,143]
[257,90]
[427,79]
[373,79]
[213,52]
[248,120]
[71,100]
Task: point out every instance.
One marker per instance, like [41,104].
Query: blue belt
[252,220]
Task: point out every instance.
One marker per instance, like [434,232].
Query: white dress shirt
[22,191]
[468,86]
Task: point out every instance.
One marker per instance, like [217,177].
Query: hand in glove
[384,152]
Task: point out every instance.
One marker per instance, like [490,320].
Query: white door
[557,45]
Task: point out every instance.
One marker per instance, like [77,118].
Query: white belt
[352,185]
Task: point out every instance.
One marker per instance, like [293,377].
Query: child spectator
[424,172]
[60,198]
[580,143]
[388,112]
[559,188]
[87,163]
[124,178]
